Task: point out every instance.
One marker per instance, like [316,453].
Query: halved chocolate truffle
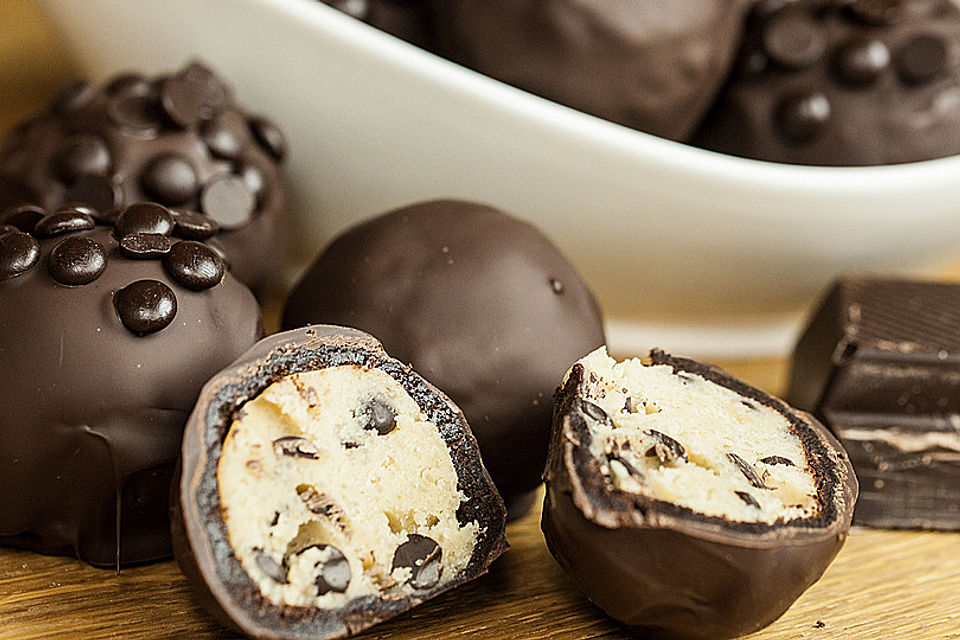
[685,503]
[326,487]
[482,304]
[103,354]
[179,140]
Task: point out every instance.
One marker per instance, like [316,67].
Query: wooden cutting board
[884,584]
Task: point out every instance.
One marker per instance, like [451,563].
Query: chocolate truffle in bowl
[179,140]
[106,336]
[647,64]
[482,304]
[685,503]
[843,83]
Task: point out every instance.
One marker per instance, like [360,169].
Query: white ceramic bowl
[686,249]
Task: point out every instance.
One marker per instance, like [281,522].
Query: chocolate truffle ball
[406,19]
[178,139]
[325,487]
[651,65]
[843,83]
[480,303]
[103,354]
[686,504]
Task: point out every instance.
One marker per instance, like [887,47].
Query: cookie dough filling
[677,437]
[334,485]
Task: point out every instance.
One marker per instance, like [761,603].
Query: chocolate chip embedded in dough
[332,569]
[595,412]
[748,471]
[422,556]
[270,567]
[377,415]
[314,501]
[296,447]
[749,499]
[773,460]
[666,449]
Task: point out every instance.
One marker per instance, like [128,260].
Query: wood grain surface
[883,584]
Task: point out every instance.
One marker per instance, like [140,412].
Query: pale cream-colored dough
[372,490]
[710,422]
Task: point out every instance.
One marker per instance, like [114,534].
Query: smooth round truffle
[293,519]
[99,377]
[177,140]
[685,503]
[842,83]
[646,64]
[480,303]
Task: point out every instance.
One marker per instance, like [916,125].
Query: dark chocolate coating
[667,572]
[200,536]
[91,415]
[879,363]
[646,64]
[480,303]
[856,82]
[147,139]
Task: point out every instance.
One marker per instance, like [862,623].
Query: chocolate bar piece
[879,363]
[685,503]
[326,487]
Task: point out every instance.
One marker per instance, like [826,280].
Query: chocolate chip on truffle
[793,40]
[128,81]
[377,415]
[145,246]
[876,12]
[82,154]
[145,306]
[229,201]
[19,252]
[191,225]
[135,109]
[24,217]
[100,192]
[296,447]
[65,221]
[330,566]
[224,136]
[422,556]
[184,100]
[268,136]
[860,61]
[921,58]
[194,265]
[800,118]
[143,217]
[77,261]
[73,97]
[170,178]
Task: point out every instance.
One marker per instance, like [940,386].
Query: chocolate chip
[224,136]
[333,573]
[229,201]
[422,556]
[276,519]
[596,413]
[143,217]
[24,217]
[772,460]
[877,12]
[190,225]
[136,109]
[82,154]
[73,97]
[77,261]
[268,136]
[170,178]
[66,221]
[269,566]
[921,59]
[253,178]
[802,117]
[19,252]
[314,501]
[100,192]
[628,405]
[748,471]
[129,81]
[749,499]
[184,100]
[631,469]
[749,405]
[145,246]
[666,449]
[145,306]
[296,447]
[377,415]
[860,61]
[793,40]
[194,265]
